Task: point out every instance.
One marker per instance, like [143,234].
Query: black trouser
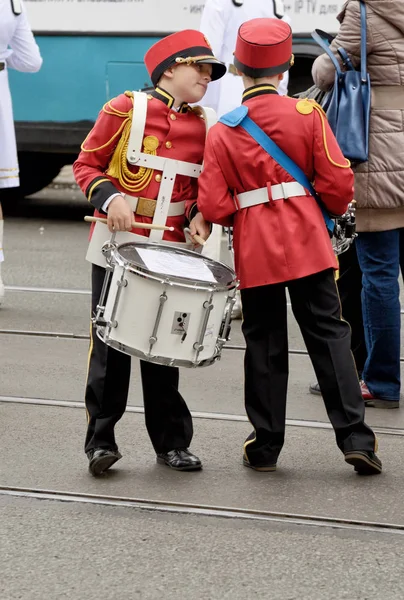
[316,306]
[168,420]
[350,288]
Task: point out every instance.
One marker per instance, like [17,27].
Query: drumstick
[199,239]
[135,224]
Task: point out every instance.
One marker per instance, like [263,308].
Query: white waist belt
[175,209]
[280,191]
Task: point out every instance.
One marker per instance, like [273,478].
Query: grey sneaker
[315,389]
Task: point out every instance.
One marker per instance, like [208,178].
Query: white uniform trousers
[9,175]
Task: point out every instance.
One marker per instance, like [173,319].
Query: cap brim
[218,68]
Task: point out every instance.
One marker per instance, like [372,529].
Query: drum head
[177,264]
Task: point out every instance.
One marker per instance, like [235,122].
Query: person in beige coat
[379,187]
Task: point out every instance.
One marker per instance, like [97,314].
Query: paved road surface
[313,530]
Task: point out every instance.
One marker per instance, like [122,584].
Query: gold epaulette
[118,167]
[306,107]
[110,110]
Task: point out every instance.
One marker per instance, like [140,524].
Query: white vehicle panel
[158,16]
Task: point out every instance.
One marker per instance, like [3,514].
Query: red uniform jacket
[181,135]
[285,239]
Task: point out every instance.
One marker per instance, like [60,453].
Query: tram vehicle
[93,50]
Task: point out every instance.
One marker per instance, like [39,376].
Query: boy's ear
[169,72]
[280,76]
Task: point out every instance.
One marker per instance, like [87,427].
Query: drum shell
[136,314]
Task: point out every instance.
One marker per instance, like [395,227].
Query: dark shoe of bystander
[373,402]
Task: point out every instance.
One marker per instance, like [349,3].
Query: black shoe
[365,463]
[101,459]
[263,468]
[180,459]
[315,389]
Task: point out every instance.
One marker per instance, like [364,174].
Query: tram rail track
[33,289]
[204,510]
[392,431]
[44,290]
[79,336]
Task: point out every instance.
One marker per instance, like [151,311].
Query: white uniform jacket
[221,20]
[18,50]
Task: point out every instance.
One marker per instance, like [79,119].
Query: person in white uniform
[18,50]
[220,22]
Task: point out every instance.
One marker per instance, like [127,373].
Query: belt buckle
[146,207]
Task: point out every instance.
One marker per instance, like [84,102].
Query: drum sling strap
[169,169]
[239,117]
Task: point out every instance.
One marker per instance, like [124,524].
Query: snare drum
[344,230]
[165,305]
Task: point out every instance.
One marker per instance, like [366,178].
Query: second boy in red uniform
[281,241]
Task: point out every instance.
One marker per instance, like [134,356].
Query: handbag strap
[318,37]
[241,118]
[346,61]
[364,77]
[323,40]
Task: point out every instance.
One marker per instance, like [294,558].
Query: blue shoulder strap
[234,118]
[239,117]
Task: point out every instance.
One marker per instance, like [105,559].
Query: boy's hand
[199,226]
[120,215]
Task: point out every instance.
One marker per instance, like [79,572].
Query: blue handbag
[347,105]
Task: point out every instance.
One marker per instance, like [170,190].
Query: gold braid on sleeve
[118,167]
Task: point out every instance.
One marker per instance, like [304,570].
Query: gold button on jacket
[168,145]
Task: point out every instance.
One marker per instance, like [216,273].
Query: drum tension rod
[99,315]
[225,329]
[153,337]
[198,346]
[121,283]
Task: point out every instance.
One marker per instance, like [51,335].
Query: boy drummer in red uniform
[280,240]
[181,67]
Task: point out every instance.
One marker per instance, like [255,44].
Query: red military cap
[188,46]
[263,48]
